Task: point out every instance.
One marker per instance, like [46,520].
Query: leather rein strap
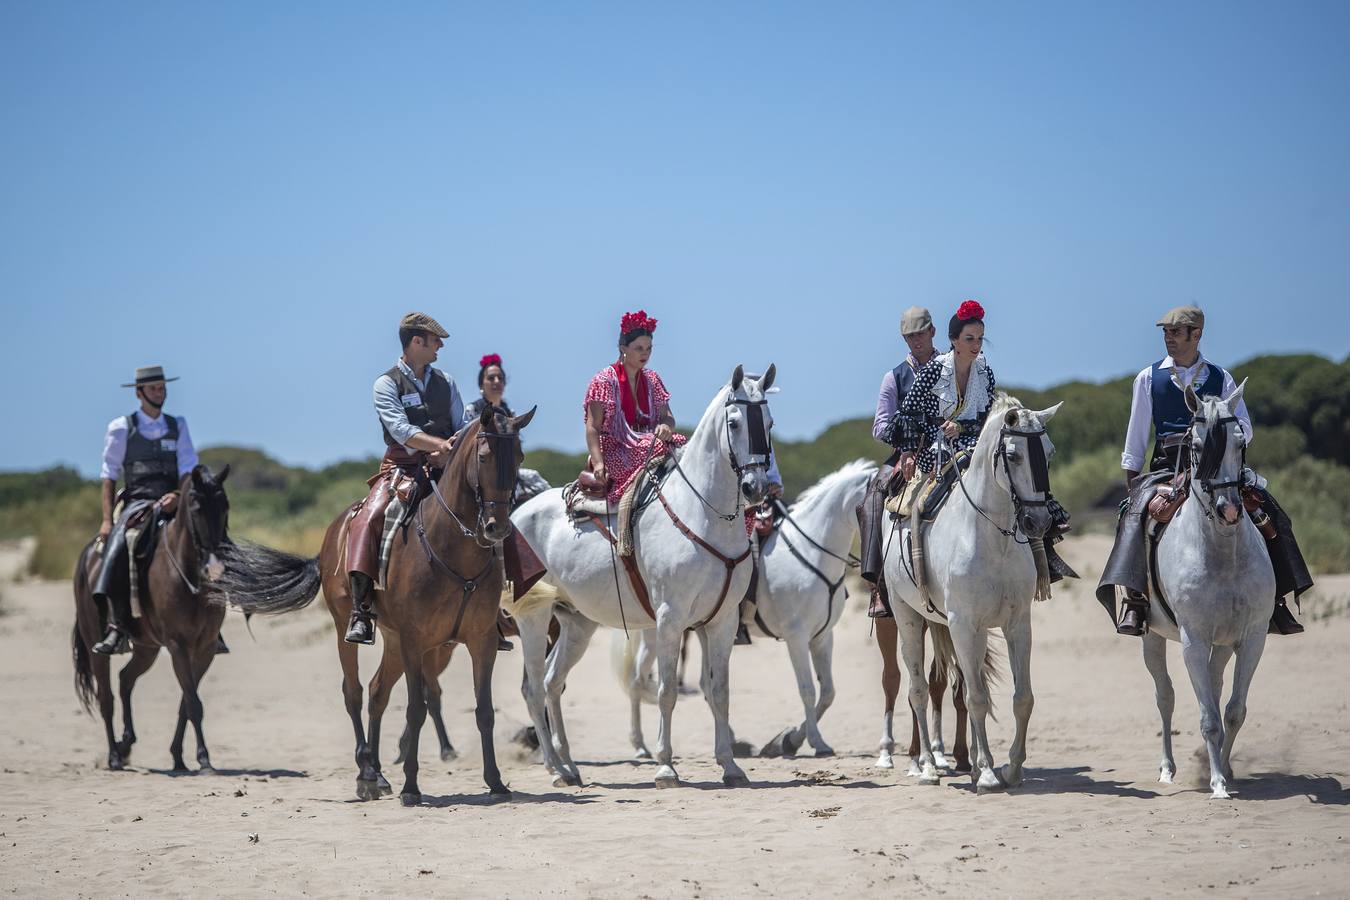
[467,585]
[640,586]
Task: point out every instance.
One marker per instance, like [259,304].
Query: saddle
[583,506]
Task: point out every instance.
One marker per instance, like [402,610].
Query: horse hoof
[367,790]
[884,761]
[989,783]
[179,768]
[566,779]
[914,770]
[408,799]
[666,778]
[1166,777]
[929,777]
[642,753]
[448,754]
[206,770]
[962,768]
[1219,794]
[385,787]
[1009,777]
[736,779]
[940,760]
[823,752]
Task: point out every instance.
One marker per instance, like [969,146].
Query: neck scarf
[639,415]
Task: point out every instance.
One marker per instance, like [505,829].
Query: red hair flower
[490,359]
[634,321]
[970,309]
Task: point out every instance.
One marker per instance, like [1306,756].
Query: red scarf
[630,410]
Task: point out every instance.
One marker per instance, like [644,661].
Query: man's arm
[1136,435]
[187,452]
[109,491]
[114,452]
[389,407]
[888,401]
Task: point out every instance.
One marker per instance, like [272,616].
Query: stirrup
[361,628]
[114,642]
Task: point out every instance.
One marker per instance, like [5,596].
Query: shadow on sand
[1323,789]
[228,773]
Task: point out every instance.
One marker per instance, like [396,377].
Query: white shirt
[115,444]
[393,414]
[1137,451]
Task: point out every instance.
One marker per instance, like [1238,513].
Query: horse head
[492,476]
[206,510]
[1025,449]
[749,426]
[1218,449]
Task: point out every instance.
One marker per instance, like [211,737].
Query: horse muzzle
[496,530]
[1034,522]
[214,568]
[754,486]
[1227,510]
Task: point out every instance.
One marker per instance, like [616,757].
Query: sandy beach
[280,817]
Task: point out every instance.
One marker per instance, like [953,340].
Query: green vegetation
[1300,403]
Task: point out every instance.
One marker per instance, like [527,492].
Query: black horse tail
[258,579]
[84,670]
[945,651]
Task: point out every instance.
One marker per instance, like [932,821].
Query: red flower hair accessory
[970,309]
[491,359]
[635,321]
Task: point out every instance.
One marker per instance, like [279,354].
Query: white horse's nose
[1228,511]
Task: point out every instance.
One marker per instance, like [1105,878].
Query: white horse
[693,555]
[1215,575]
[800,597]
[981,575]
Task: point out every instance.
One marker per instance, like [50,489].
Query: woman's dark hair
[626,339]
[955,325]
[488,362]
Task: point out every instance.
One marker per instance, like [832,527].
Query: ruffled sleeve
[660,396]
[600,390]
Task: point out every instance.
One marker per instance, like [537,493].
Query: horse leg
[641,657]
[189,707]
[937,689]
[1197,656]
[910,626]
[483,653]
[1017,635]
[1219,657]
[1155,659]
[1248,656]
[200,667]
[822,659]
[381,687]
[367,787]
[102,666]
[961,749]
[971,644]
[716,641]
[142,658]
[668,638]
[573,639]
[890,688]
[534,625]
[411,794]
[433,664]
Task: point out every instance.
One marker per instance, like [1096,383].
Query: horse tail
[84,670]
[623,651]
[259,579]
[945,652]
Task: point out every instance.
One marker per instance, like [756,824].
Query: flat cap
[423,322]
[915,319]
[1184,315]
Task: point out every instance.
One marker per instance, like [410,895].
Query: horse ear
[1192,401]
[767,381]
[197,474]
[224,473]
[1045,415]
[520,422]
[1010,417]
[1233,399]
[485,417]
[737,377]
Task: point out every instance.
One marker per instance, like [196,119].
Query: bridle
[760,449]
[1205,469]
[202,557]
[506,479]
[1040,477]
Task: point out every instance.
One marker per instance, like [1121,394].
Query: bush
[1316,495]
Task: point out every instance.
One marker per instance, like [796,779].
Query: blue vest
[1171,415]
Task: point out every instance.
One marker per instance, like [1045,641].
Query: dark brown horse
[174,614]
[944,662]
[443,587]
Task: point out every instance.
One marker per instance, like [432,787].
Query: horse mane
[821,488]
[1003,404]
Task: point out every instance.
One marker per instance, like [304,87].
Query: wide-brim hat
[149,375]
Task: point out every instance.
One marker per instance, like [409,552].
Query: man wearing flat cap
[891,427]
[149,451]
[420,410]
[1159,400]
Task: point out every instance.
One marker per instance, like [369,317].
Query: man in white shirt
[149,452]
[1159,403]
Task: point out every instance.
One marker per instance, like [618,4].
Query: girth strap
[467,585]
[726,561]
[630,566]
[832,585]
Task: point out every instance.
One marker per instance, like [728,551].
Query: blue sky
[252,194]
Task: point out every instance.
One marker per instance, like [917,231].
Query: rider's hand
[775,490]
[168,503]
[664,432]
[600,474]
[104,530]
[436,459]
[951,430]
[907,463]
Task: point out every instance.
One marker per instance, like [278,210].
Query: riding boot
[879,606]
[870,514]
[747,612]
[361,628]
[1133,615]
[1282,621]
[118,638]
[221,646]
[505,625]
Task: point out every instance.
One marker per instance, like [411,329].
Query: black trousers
[112,587]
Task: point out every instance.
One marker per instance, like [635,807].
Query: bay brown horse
[442,587]
[174,614]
